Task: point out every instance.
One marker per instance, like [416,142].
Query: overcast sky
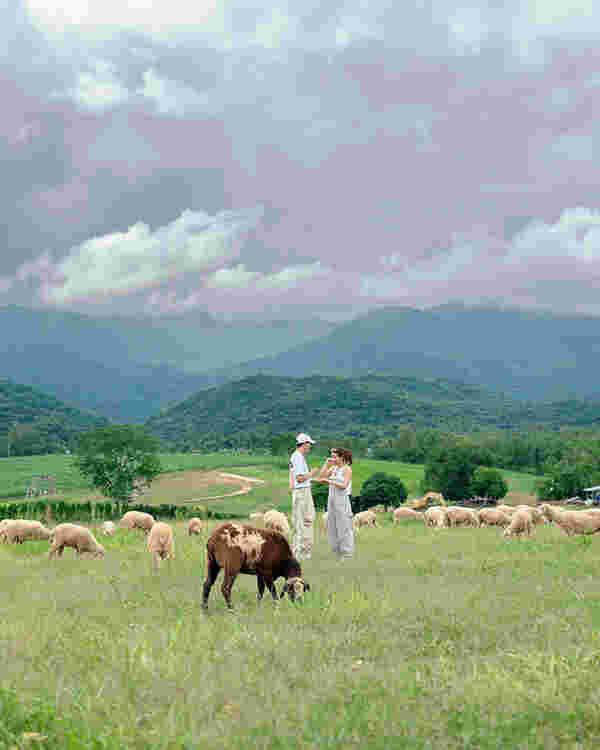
[322,157]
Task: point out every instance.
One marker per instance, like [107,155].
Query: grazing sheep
[400,514]
[364,518]
[160,543]
[72,535]
[572,521]
[508,509]
[459,516]
[277,521]
[265,553]
[521,523]
[17,531]
[108,528]
[135,519]
[436,517]
[493,517]
[536,516]
[195,526]
[323,522]
[256,517]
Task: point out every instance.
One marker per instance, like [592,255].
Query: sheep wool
[160,543]
[277,521]
[72,535]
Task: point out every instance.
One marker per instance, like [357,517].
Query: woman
[337,472]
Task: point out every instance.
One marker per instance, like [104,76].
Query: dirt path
[247,487]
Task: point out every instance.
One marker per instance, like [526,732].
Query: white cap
[304,438]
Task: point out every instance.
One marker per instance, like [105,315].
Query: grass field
[447,639]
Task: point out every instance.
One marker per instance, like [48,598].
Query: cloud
[100,89]
[123,262]
[172,97]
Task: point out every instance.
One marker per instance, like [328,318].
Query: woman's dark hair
[346,455]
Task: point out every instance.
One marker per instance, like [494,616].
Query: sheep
[195,526]
[265,553]
[433,497]
[572,521]
[108,528]
[400,514]
[19,530]
[135,519]
[436,517]
[323,522]
[378,509]
[160,543]
[72,535]
[256,517]
[536,516]
[364,518]
[277,521]
[458,516]
[508,509]
[521,523]
[493,517]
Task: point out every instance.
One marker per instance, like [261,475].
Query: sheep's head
[294,588]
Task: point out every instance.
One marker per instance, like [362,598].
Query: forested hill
[35,422]
[530,355]
[334,405]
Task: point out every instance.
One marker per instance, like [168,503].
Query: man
[303,507]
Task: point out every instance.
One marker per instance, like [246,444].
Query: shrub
[381,489]
[320,493]
[489,483]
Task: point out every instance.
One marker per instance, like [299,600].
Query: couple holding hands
[337,473]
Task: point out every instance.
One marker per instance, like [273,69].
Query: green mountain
[128,368]
[335,405]
[528,355]
[35,422]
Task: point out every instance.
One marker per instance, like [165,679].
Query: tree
[449,470]
[566,478]
[114,458]
[382,489]
[489,483]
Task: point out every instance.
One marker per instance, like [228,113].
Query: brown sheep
[458,516]
[573,521]
[264,553]
[135,519]
[160,543]
[72,535]
[195,526]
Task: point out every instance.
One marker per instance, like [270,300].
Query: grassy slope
[445,641]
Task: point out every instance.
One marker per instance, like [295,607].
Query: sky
[299,159]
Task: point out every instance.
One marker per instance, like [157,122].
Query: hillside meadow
[446,639]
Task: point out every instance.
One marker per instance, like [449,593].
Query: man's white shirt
[298,465]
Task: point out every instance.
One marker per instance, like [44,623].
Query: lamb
[436,517]
[572,521]
[72,535]
[521,523]
[160,543]
[265,553]
[256,517]
[458,516]
[400,514]
[195,526]
[135,519]
[108,528]
[19,530]
[277,521]
[364,518]
[493,517]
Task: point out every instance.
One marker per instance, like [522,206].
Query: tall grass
[426,639]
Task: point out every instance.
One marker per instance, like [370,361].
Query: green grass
[447,639]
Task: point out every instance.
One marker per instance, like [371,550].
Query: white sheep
[436,517]
[73,535]
[536,515]
[521,523]
[493,517]
[160,543]
[108,528]
[401,514]
[135,519]
[195,526]
[572,521]
[17,531]
[459,516]
[508,509]
[277,521]
[364,518]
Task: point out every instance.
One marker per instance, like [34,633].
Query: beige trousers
[303,518]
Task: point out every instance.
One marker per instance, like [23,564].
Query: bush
[320,493]
[381,489]
[489,483]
